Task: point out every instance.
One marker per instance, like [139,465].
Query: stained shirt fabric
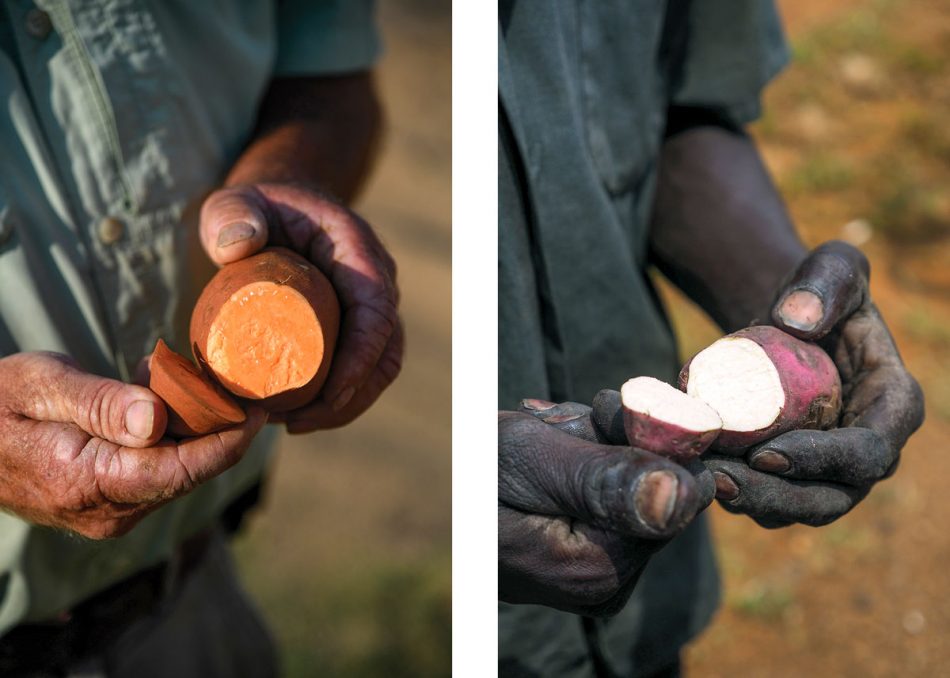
[120,117]
[584,92]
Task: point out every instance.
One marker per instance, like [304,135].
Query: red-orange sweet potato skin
[196,405]
[809,378]
[284,267]
[664,438]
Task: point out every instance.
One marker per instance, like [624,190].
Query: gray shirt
[584,92]
[119,117]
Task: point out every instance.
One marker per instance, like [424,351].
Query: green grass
[375,620]
[921,324]
[767,602]
[819,172]
[910,208]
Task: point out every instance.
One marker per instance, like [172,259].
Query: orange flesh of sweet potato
[196,405]
[265,340]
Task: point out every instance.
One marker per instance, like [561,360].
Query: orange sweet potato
[196,405]
[266,327]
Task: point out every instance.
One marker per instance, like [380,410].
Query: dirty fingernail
[726,487]
[802,310]
[536,404]
[656,498]
[235,233]
[140,419]
[343,399]
[770,461]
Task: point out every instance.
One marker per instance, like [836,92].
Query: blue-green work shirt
[119,116]
[585,88]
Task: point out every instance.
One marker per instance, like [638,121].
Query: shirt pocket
[623,95]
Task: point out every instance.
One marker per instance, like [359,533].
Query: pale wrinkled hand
[237,222]
[815,477]
[86,453]
[578,519]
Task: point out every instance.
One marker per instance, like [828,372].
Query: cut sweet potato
[660,419]
[763,382]
[196,405]
[266,328]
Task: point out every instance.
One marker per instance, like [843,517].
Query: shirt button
[110,230]
[38,23]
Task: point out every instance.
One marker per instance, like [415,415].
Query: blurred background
[856,134]
[350,556]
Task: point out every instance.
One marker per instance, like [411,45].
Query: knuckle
[390,366]
[97,411]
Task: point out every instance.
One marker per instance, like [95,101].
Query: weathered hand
[237,222]
[578,520]
[86,453]
[814,477]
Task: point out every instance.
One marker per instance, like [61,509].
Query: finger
[322,415]
[827,288]
[774,501]
[705,482]
[234,224]
[572,418]
[883,396]
[608,416]
[144,476]
[854,456]
[545,471]
[347,250]
[364,334]
[143,371]
[49,387]
[577,420]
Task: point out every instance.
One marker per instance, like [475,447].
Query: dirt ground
[350,559]
[856,135]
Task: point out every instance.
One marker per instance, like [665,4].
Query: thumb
[542,470]
[828,286]
[233,224]
[49,387]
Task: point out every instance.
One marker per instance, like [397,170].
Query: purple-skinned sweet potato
[660,419]
[763,382]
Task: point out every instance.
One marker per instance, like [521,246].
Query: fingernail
[140,419]
[537,404]
[234,233]
[343,399]
[726,487]
[802,310]
[770,461]
[656,498]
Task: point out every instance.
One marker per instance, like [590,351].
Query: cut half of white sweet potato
[763,382]
[663,420]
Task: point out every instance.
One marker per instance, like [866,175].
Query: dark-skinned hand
[579,517]
[815,477]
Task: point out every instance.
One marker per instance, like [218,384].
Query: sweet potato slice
[266,328]
[660,419]
[196,405]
